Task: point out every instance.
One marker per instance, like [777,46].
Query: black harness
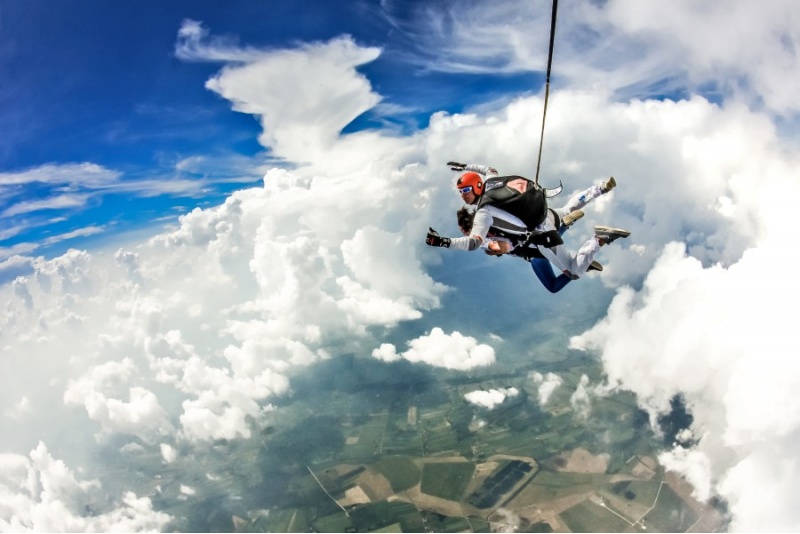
[530,207]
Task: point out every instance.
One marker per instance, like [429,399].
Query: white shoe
[570,218]
[608,185]
[608,234]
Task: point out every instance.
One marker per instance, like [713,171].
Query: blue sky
[201,201]
[100,83]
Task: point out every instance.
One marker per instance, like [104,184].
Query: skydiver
[542,268]
[489,218]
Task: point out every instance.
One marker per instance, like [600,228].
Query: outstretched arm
[481,169]
[474,167]
[480,227]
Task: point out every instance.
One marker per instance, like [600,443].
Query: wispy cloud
[80,232]
[17,249]
[736,49]
[196,44]
[72,175]
[30,247]
[73,188]
[59,202]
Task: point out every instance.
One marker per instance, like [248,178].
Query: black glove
[456,166]
[433,239]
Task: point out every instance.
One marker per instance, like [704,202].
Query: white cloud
[621,46]
[386,352]
[58,202]
[301,121]
[14,256]
[40,493]
[80,232]
[694,466]
[216,314]
[476,424]
[72,175]
[492,398]
[18,410]
[547,385]
[141,415]
[719,336]
[451,351]
[581,400]
[194,44]
[714,43]
[505,520]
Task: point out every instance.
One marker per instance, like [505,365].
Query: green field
[641,492]
[286,520]
[370,437]
[346,444]
[439,438]
[447,480]
[442,523]
[394,527]
[549,485]
[336,522]
[671,513]
[590,517]
[401,472]
[387,516]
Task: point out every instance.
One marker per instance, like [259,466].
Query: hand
[433,239]
[497,248]
[456,166]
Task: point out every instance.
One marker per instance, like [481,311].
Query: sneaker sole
[619,232]
[570,218]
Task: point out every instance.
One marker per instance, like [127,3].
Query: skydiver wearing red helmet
[489,218]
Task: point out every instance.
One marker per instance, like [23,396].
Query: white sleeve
[465,243]
[481,169]
[477,237]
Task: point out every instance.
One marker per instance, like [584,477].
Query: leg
[584,197]
[543,270]
[576,264]
[580,200]
[585,256]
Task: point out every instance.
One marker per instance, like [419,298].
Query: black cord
[547,85]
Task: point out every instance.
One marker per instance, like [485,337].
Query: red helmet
[471,179]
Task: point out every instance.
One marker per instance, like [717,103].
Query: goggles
[465,190]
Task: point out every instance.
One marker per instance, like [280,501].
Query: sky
[199,202]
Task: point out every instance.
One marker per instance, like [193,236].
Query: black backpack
[530,207]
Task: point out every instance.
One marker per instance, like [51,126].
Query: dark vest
[530,207]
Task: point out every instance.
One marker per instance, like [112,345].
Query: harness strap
[556,217]
[509,228]
[544,239]
[527,253]
[540,239]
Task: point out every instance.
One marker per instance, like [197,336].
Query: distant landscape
[415,456]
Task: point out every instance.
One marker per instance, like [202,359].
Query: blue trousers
[543,270]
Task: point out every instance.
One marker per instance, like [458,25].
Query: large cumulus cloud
[39,493]
[187,337]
